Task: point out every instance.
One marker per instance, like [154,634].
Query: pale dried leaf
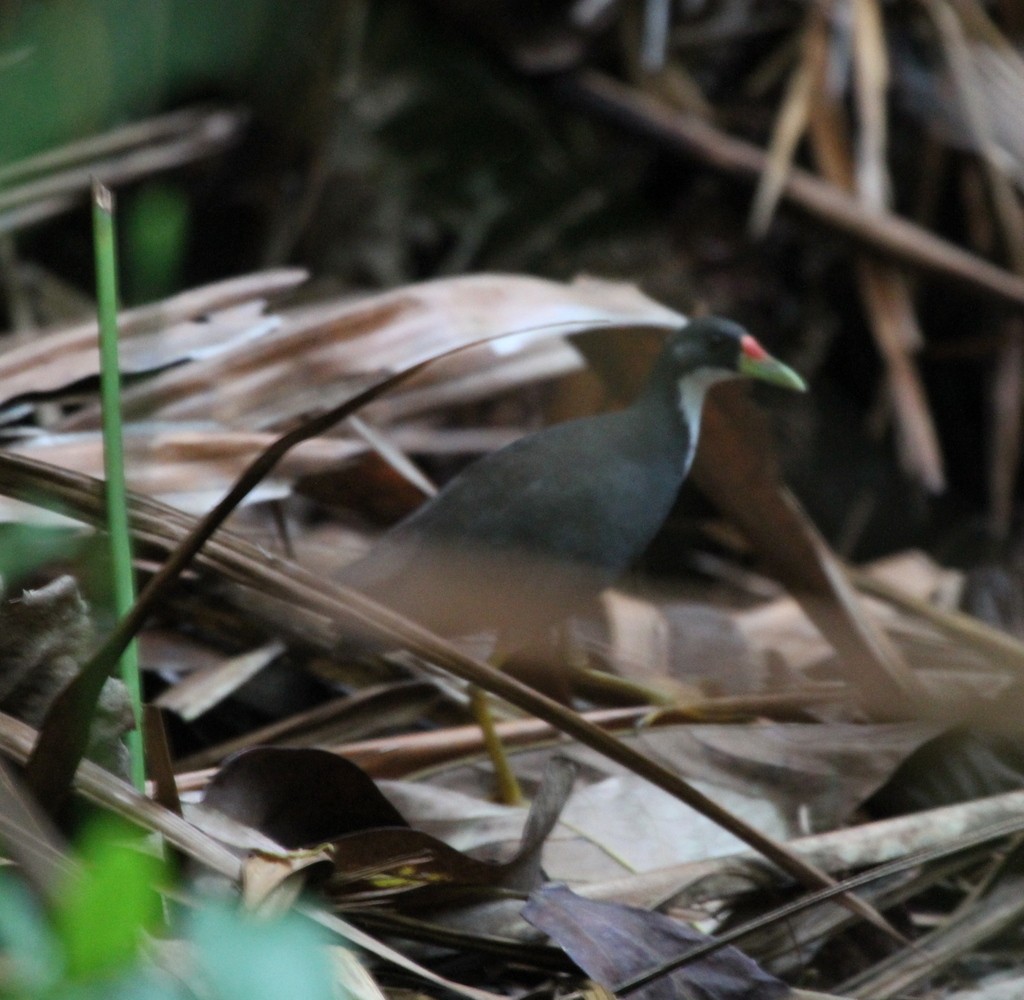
[871,82]
[693,643]
[203,689]
[778,777]
[312,360]
[60,358]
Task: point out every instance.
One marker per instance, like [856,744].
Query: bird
[527,534]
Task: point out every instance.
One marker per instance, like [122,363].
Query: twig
[882,231]
[999,912]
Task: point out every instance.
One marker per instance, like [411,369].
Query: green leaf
[105,910]
[247,959]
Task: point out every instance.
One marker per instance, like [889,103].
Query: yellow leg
[507,790]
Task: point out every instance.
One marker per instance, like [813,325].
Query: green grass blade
[113,455]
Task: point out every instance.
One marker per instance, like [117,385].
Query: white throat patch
[692,391]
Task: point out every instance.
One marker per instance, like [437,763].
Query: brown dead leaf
[298,796]
[312,797]
[735,468]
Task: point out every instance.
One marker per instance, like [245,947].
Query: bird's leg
[506,785]
[507,788]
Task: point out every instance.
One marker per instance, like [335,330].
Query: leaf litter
[835,704]
[787,778]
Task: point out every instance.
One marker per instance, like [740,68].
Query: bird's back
[530,532]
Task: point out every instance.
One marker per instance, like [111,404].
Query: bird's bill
[756,362]
[772,370]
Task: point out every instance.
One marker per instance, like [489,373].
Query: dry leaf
[614,943]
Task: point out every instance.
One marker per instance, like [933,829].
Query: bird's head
[709,349]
